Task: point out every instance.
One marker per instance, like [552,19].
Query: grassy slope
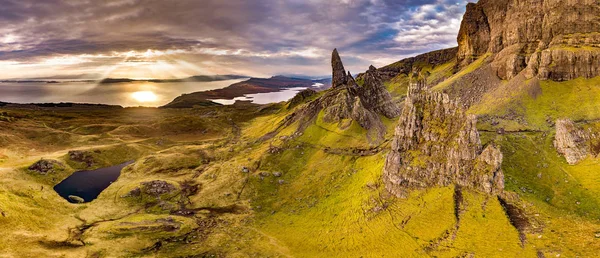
[466,70]
[335,205]
[539,102]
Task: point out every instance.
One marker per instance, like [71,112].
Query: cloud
[260,37]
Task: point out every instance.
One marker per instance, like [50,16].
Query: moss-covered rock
[46,166]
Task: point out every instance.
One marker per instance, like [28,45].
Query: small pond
[87,185]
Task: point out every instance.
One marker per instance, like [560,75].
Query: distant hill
[251,86]
[197,78]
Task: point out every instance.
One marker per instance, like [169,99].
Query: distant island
[197,78]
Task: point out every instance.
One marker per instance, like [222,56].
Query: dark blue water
[89,184]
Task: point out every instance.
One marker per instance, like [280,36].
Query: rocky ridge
[552,39]
[437,144]
[406,66]
[347,100]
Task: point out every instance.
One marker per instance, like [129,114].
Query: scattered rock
[157,188]
[277,174]
[281,181]
[245,170]
[136,192]
[82,156]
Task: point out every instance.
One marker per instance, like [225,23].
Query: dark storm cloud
[259,36]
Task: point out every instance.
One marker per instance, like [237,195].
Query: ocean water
[125,94]
[129,94]
[265,98]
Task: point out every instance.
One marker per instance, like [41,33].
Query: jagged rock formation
[553,39]
[339,73]
[348,100]
[375,96]
[437,143]
[571,141]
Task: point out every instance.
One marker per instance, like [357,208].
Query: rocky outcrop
[82,156]
[557,40]
[339,73]
[437,144]
[347,100]
[45,166]
[376,97]
[154,188]
[301,97]
[571,141]
[157,188]
[566,64]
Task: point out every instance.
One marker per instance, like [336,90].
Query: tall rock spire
[339,73]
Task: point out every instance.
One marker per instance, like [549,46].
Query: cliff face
[437,144]
[554,39]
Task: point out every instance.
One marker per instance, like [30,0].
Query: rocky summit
[553,39]
[437,144]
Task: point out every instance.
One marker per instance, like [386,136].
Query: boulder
[76,199]
[571,141]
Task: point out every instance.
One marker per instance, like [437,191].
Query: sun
[144,96]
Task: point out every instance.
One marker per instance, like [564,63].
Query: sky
[180,38]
